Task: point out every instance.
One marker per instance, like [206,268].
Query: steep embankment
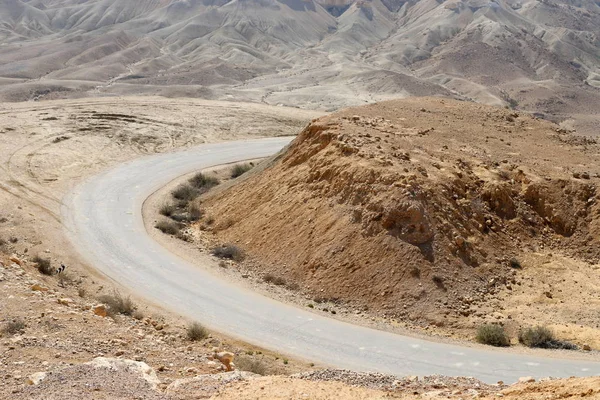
[429,211]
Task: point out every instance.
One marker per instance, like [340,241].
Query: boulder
[144,370]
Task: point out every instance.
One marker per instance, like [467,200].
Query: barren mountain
[534,55]
[428,211]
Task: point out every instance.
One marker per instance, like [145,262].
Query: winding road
[103,217]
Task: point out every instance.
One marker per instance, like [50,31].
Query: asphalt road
[104,220]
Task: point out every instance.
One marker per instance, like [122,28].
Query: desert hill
[539,56]
[428,211]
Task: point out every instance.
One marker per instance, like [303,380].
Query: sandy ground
[50,146]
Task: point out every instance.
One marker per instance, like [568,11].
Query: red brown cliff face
[416,208]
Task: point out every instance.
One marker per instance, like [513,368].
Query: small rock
[65,301]
[100,310]
[39,288]
[36,379]
[526,379]
[586,347]
[16,260]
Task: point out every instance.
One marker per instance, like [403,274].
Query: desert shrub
[439,281]
[13,327]
[116,303]
[185,193]
[269,278]
[279,281]
[202,181]
[81,292]
[137,314]
[293,286]
[240,169]
[196,331]
[514,263]
[492,335]
[251,364]
[168,227]
[415,272]
[44,265]
[194,212]
[167,209]
[228,251]
[65,279]
[542,337]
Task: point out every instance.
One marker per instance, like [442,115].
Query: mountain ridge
[324,54]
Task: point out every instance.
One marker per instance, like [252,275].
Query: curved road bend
[104,220]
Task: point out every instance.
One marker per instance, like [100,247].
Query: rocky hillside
[535,55]
[429,211]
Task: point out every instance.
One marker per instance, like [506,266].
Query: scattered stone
[100,310]
[38,288]
[65,301]
[586,347]
[526,379]
[36,379]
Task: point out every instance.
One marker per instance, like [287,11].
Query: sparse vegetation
[415,272]
[492,335]
[167,210]
[65,279]
[251,364]
[137,314]
[514,263]
[185,193]
[228,251]
[439,281]
[203,181]
[44,265]
[13,327]
[194,212]
[542,337]
[168,227]
[117,304]
[196,331]
[241,169]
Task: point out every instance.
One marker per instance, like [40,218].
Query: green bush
[240,169]
[492,335]
[196,331]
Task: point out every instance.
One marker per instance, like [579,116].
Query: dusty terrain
[539,56]
[430,213]
[65,350]
[48,147]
